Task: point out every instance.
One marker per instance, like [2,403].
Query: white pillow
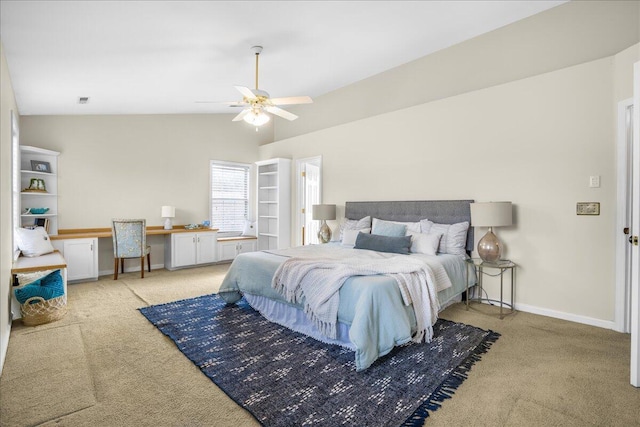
[249,228]
[411,226]
[454,236]
[422,243]
[349,236]
[33,242]
[352,224]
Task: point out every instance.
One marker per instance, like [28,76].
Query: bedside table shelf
[501,266]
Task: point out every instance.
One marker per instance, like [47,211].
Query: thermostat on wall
[588,208]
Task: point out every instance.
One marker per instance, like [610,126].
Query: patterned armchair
[130,241]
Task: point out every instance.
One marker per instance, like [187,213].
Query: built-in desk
[154,230]
[79,247]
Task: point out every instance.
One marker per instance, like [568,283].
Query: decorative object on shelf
[36,185]
[40,166]
[35,211]
[491,214]
[190,227]
[323,213]
[42,222]
[168,212]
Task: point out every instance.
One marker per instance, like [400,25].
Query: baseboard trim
[606,324]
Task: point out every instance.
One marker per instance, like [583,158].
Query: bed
[372,313]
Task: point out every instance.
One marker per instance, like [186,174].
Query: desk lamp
[323,213]
[168,212]
[490,214]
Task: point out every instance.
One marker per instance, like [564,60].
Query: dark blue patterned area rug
[284,378]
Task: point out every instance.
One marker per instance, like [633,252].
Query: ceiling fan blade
[291,100]
[241,115]
[229,103]
[280,112]
[246,92]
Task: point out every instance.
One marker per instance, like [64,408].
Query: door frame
[297,235]
[635,252]
[622,316]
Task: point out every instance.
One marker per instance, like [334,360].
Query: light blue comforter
[371,305]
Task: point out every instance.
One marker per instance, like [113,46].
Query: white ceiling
[159,57]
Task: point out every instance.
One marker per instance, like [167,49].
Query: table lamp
[490,214]
[168,212]
[323,213]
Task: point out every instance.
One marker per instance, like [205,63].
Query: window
[229,196]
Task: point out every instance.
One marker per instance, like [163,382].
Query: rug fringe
[448,387]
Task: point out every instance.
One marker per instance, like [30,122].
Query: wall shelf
[29,199]
[274,204]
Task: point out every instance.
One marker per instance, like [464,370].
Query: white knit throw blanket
[318,282]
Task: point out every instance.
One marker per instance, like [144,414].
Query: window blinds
[229,196]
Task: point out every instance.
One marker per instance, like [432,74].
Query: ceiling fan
[257,102]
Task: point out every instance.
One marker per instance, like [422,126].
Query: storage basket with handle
[43,311]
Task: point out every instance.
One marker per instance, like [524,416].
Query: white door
[206,247]
[635,231]
[227,250]
[82,258]
[312,197]
[624,215]
[246,246]
[309,174]
[183,250]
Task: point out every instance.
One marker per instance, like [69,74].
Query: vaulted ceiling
[160,57]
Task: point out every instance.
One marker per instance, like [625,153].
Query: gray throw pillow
[375,242]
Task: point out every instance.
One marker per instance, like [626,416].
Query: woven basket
[43,311]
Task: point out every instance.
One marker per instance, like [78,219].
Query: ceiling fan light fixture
[257,118]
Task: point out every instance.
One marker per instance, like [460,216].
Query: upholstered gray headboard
[440,211]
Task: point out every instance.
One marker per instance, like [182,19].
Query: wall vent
[83,100]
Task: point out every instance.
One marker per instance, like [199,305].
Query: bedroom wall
[566,35]
[534,142]
[7,105]
[130,166]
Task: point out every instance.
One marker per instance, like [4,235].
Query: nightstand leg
[501,299]
[480,274]
[512,287]
[466,278]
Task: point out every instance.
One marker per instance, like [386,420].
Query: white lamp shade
[491,214]
[168,212]
[324,212]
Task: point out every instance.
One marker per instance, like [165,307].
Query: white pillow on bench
[33,242]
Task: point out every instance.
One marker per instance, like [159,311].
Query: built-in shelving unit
[274,204]
[39,188]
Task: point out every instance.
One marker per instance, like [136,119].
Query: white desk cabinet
[81,256]
[229,249]
[190,249]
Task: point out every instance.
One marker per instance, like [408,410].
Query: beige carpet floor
[104,364]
